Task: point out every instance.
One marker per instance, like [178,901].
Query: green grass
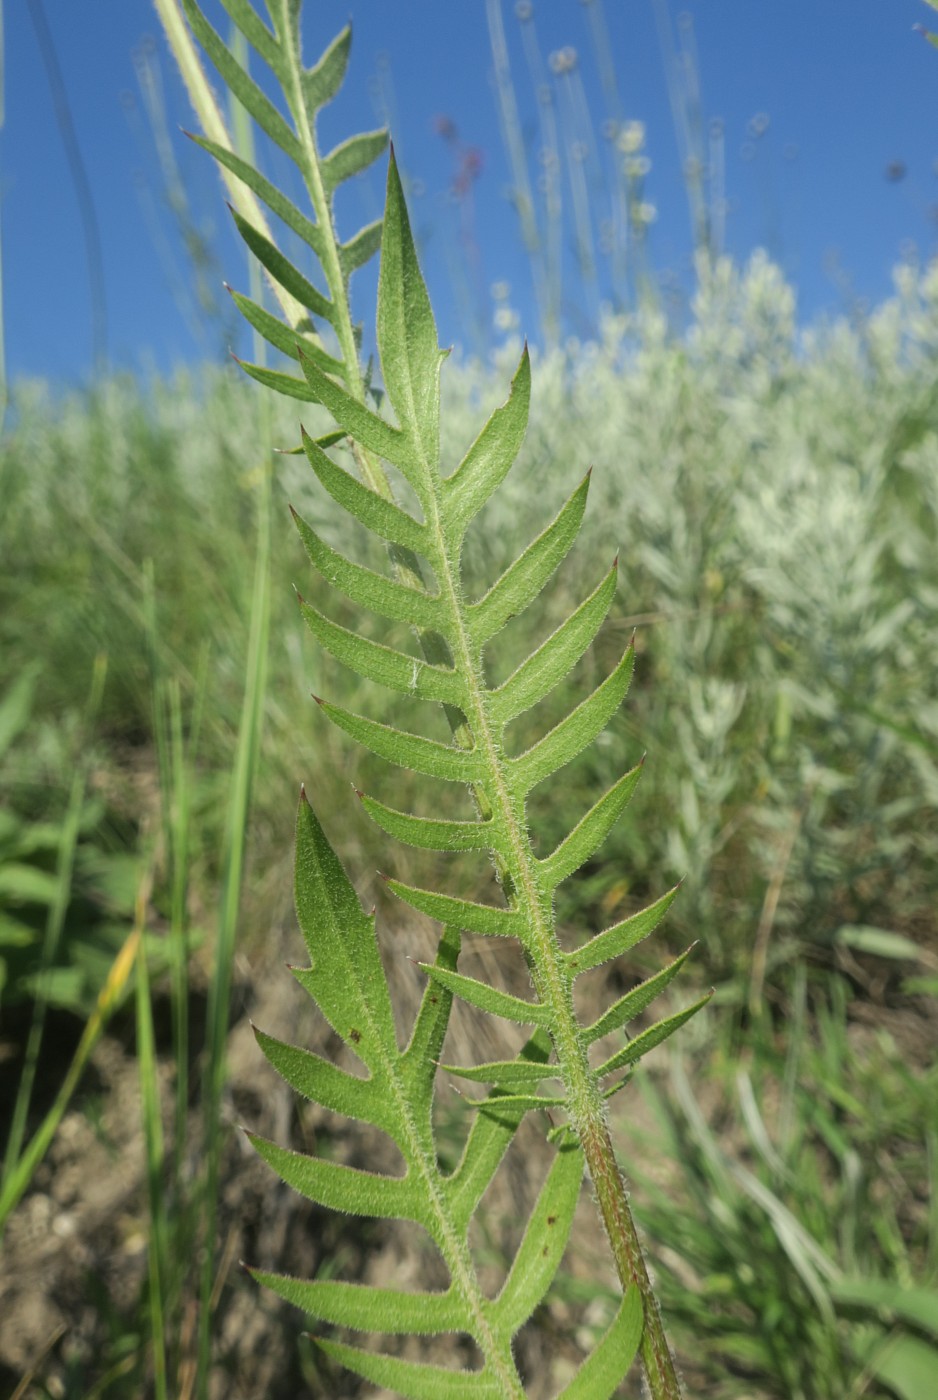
[774,502]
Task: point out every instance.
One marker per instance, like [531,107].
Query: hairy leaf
[520,584]
[653,1036]
[553,659]
[618,939]
[346,976]
[377,512]
[487,998]
[245,89]
[284,338]
[603,1370]
[490,457]
[323,80]
[282,270]
[347,981]
[352,157]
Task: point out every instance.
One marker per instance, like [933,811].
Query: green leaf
[324,1083]
[376,662]
[880,942]
[278,381]
[284,338]
[414,1379]
[908,1366]
[382,595]
[344,1188]
[487,1143]
[654,1035]
[242,84]
[916,1306]
[282,270]
[433,833]
[490,457]
[589,834]
[351,157]
[323,80]
[277,202]
[358,421]
[420,1059]
[376,512]
[634,1002]
[366,1308]
[545,1239]
[476,918]
[554,658]
[507,1074]
[255,31]
[480,994]
[572,734]
[520,584]
[357,251]
[407,340]
[27,884]
[345,975]
[498,1104]
[621,937]
[408,750]
[606,1366]
[16,707]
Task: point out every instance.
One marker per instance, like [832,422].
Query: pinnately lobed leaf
[345,976]
[346,979]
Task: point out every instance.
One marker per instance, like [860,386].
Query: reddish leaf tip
[319,700]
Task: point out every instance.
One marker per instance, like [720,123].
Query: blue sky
[837,185]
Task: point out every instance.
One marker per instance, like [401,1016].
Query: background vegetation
[773,496]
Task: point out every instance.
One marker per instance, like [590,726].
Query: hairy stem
[552,982]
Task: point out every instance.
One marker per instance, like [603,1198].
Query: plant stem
[589,1118]
[553,984]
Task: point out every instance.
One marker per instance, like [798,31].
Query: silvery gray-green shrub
[553,1076]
